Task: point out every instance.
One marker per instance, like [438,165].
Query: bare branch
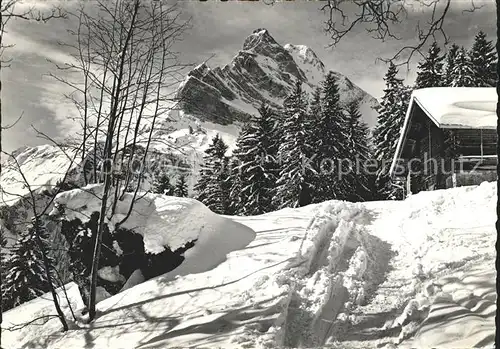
[18,327]
[379,18]
[14,123]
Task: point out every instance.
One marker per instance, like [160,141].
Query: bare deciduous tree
[123,69]
[37,215]
[39,200]
[9,10]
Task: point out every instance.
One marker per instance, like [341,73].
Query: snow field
[417,273]
[459,312]
[329,273]
[40,314]
[432,235]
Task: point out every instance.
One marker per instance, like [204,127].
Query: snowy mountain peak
[305,55]
[262,72]
[199,70]
[259,37]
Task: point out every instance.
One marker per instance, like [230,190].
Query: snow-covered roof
[452,107]
[458,107]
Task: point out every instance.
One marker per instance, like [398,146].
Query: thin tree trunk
[46,263]
[108,175]
[97,247]
[85,100]
[48,275]
[1,189]
[497,245]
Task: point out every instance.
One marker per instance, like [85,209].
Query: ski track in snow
[336,274]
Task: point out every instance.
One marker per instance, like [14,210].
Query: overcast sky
[218,29]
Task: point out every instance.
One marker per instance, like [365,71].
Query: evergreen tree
[334,179]
[257,164]
[359,152]
[295,184]
[234,180]
[430,70]
[162,185]
[315,116]
[484,60]
[315,105]
[391,112]
[26,276]
[450,64]
[462,74]
[181,189]
[6,298]
[213,188]
[206,173]
[239,158]
[3,239]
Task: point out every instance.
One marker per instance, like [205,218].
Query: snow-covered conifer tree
[359,152]
[181,189]
[451,56]
[257,164]
[430,70]
[295,184]
[391,112]
[315,104]
[161,185]
[26,275]
[234,182]
[213,188]
[4,257]
[333,156]
[484,60]
[462,74]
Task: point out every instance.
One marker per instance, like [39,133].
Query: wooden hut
[448,139]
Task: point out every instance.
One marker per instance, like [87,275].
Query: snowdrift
[379,274]
[162,234]
[161,220]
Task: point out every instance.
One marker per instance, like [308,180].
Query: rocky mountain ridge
[263,71]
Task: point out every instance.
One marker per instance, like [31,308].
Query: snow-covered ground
[418,273]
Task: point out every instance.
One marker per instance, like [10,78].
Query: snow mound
[339,264]
[161,220]
[460,314]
